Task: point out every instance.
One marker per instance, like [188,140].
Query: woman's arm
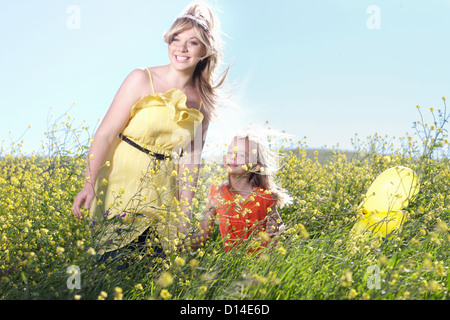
[131,90]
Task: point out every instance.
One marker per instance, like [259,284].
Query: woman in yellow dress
[152,134]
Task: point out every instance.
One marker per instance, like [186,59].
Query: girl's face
[186,50]
[241,156]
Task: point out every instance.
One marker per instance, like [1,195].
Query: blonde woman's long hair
[206,79]
[268,161]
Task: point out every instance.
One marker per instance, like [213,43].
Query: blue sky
[312,68]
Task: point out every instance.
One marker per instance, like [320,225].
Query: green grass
[316,258]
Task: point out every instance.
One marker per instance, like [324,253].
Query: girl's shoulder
[218,193]
[267,195]
[225,184]
[221,188]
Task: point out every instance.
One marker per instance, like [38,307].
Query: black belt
[158,156]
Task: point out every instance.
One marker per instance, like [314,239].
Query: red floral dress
[240,219]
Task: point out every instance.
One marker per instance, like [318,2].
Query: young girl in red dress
[245,204]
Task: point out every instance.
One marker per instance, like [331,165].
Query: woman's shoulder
[141,79]
[144,73]
[139,73]
[157,72]
[138,78]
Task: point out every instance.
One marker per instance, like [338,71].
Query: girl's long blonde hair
[206,79]
[267,159]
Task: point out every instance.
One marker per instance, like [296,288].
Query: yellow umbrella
[391,191]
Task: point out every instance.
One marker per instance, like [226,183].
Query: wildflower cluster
[315,258]
[39,236]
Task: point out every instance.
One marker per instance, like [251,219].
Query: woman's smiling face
[186,50]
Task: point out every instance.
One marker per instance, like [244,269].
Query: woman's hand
[85,196]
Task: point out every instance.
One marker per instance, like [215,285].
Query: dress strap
[151,80]
[200,107]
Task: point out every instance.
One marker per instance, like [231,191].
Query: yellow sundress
[134,190]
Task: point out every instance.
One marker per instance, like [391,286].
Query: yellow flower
[103,295]
[440,269]
[259,279]
[180,261]
[165,294]
[352,294]
[165,280]
[264,236]
[139,287]
[174,173]
[77,297]
[193,263]
[441,226]
[347,279]
[434,286]
[118,295]
[303,232]
[444,98]
[175,201]
[383,260]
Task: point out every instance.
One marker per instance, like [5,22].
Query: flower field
[46,252]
